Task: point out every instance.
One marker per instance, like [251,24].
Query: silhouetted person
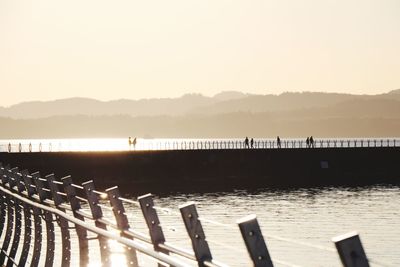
[308,142]
[130,141]
[278,142]
[311,141]
[252,142]
[246,142]
[134,143]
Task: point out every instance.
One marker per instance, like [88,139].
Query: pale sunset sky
[51,49]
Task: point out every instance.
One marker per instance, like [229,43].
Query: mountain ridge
[224,102]
[197,116]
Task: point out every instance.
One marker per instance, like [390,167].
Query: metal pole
[97,213]
[195,230]
[80,231]
[62,222]
[254,241]
[350,250]
[122,222]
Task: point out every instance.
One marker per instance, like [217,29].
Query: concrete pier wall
[161,172]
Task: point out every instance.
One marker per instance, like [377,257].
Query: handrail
[131,243]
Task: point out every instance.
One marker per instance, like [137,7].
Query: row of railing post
[51,201]
[265,144]
[236,144]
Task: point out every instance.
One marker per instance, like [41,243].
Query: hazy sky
[53,49]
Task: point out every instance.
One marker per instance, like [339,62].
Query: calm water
[308,216]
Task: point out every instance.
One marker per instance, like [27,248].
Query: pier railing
[33,206]
[201,144]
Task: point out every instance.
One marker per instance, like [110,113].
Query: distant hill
[271,103]
[229,95]
[395,92]
[91,107]
[229,114]
[225,102]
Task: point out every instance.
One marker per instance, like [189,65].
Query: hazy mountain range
[228,114]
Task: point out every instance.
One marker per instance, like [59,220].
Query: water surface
[289,220]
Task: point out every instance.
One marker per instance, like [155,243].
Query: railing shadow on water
[208,144]
[77,211]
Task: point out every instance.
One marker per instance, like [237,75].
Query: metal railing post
[62,222]
[27,223]
[27,220]
[48,217]
[153,223]
[254,241]
[97,214]
[3,200]
[195,230]
[37,245]
[122,222]
[80,231]
[350,250]
[10,218]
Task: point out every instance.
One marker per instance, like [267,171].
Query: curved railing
[201,144]
[32,207]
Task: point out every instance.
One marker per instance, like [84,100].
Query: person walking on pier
[278,142]
[308,142]
[252,142]
[134,143]
[311,142]
[246,142]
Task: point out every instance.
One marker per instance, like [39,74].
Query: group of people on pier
[310,141]
[247,144]
[250,144]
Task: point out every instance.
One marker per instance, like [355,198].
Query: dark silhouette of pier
[207,170]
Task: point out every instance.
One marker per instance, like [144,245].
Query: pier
[198,144]
[33,206]
[214,166]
